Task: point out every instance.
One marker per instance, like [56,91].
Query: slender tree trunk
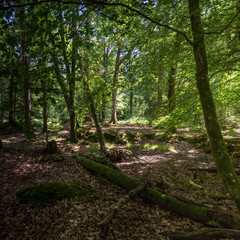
[171,89]
[27,93]
[90,101]
[25,64]
[131,98]
[45,106]
[103,149]
[159,84]
[72,114]
[11,100]
[223,162]
[67,94]
[103,107]
[115,81]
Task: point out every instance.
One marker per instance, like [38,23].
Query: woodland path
[20,166]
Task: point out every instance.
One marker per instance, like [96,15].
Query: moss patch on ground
[51,192]
[52,158]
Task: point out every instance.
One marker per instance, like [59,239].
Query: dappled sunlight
[193,151]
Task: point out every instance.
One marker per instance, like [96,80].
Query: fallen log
[211,170]
[109,217]
[205,234]
[201,214]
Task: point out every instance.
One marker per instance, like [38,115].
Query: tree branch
[218,32]
[92,2]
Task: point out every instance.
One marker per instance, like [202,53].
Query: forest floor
[21,166]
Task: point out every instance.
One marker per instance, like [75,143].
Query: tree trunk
[90,100]
[27,93]
[171,89]
[45,105]
[11,100]
[67,94]
[103,149]
[194,212]
[72,114]
[159,84]
[115,81]
[131,99]
[25,64]
[219,150]
[103,107]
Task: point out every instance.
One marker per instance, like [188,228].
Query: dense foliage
[66,43]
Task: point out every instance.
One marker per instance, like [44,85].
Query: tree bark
[219,149]
[171,89]
[45,106]
[69,93]
[72,114]
[118,63]
[131,98]
[159,83]
[115,81]
[90,101]
[25,64]
[197,213]
[11,100]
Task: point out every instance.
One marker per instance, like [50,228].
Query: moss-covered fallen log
[197,213]
[205,234]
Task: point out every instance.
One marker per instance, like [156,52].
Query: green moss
[151,146]
[133,136]
[50,192]
[101,160]
[93,149]
[207,148]
[52,158]
[112,136]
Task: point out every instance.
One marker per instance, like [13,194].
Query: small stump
[51,153]
[51,147]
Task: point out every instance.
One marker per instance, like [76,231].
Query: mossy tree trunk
[25,64]
[72,83]
[67,91]
[45,100]
[11,100]
[223,162]
[89,98]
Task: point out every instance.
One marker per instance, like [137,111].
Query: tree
[219,149]
[119,61]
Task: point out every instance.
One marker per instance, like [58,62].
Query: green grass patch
[110,145]
[93,149]
[151,146]
[51,192]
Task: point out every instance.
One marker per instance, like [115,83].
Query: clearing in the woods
[179,166]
